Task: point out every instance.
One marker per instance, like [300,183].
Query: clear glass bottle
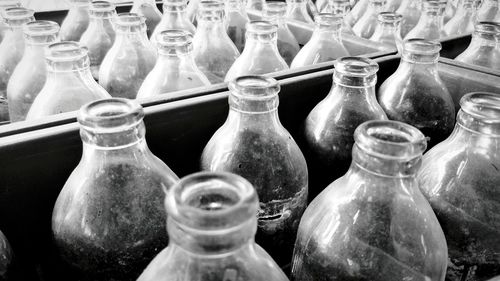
[175,68]
[130,60]
[5,4]
[255,5]
[373,223]
[192,10]
[213,50]
[252,143]
[388,30]
[415,94]
[11,51]
[261,54]
[174,17]
[6,258]
[69,82]
[430,24]
[489,11]
[211,225]
[297,10]
[410,10]
[460,179]
[357,11]
[29,76]
[463,20]
[451,9]
[76,21]
[236,21]
[325,43]
[366,25]
[484,49]
[100,35]
[393,5]
[109,221]
[341,8]
[149,10]
[275,13]
[329,128]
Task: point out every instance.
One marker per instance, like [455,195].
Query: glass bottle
[367,24]
[373,223]
[463,20]
[6,257]
[329,128]
[495,279]
[489,11]
[460,179]
[213,50]
[393,5]
[174,17]
[109,221]
[211,225]
[252,143]
[149,10]
[29,76]
[388,30]
[5,4]
[341,8]
[69,83]
[255,5]
[430,24]
[76,21]
[357,11]
[415,94]
[325,43]
[484,49]
[100,35]
[322,5]
[297,10]
[236,21]
[175,68]
[11,51]
[288,47]
[410,10]
[261,54]
[192,10]
[451,9]
[129,60]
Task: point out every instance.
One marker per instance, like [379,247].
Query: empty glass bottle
[236,21]
[175,68]
[410,10]
[373,223]
[211,225]
[484,49]
[130,60]
[255,5]
[100,35]
[109,221]
[463,20]
[489,11]
[388,30]
[69,82]
[261,55]
[252,143]
[5,4]
[340,8]
[357,11]
[5,258]
[30,75]
[192,10]
[460,179]
[430,24]
[213,50]
[297,10]
[76,21]
[149,10]
[11,51]
[288,47]
[451,9]
[415,94]
[393,5]
[325,43]
[174,17]
[366,25]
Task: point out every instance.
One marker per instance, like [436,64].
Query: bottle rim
[211,5]
[488,28]
[80,2]
[433,6]
[389,17]
[41,28]
[421,46]
[484,106]
[261,27]
[65,51]
[101,6]
[356,66]
[328,19]
[17,13]
[275,8]
[110,115]
[254,87]
[174,38]
[129,20]
[174,3]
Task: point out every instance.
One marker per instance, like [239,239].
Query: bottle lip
[356,66]
[434,6]
[174,3]
[211,5]
[129,20]
[377,2]
[41,28]
[261,27]
[17,13]
[275,8]
[420,46]
[65,51]
[254,87]
[488,28]
[174,38]
[110,115]
[389,17]
[328,19]
[101,6]
[484,106]
[80,2]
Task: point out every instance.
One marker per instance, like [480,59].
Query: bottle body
[297,10]
[6,257]
[76,21]
[484,49]
[149,10]
[236,21]
[463,20]
[366,25]
[430,24]
[174,17]
[489,11]
[410,10]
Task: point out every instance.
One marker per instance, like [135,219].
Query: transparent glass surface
[410,10]
[260,55]
[109,221]
[213,50]
[392,5]
[174,17]
[463,20]
[100,34]
[254,144]
[129,60]
[373,223]
[321,5]
[192,10]
[460,179]
[5,4]
[388,30]
[211,225]
[484,49]
[69,83]
[76,21]
[6,256]
[149,10]
[430,24]
[175,69]
[236,21]
[297,10]
[415,94]
[489,10]
[366,25]
[341,8]
[325,43]
[451,9]
[357,11]
[30,75]
[255,5]
[495,279]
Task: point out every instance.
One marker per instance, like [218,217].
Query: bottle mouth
[261,27]
[254,87]
[377,2]
[211,6]
[389,17]
[65,51]
[17,13]
[328,19]
[356,66]
[482,106]
[110,115]
[275,8]
[488,28]
[339,7]
[434,6]
[80,2]
[129,20]
[174,38]
[101,7]
[41,28]
[420,46]
[174,3]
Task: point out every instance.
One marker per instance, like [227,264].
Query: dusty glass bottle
[69,83]
[373,223]
[108,221]
[255,5]
[366,25]
[341,8]
[5,4]
[213,50]
[288,47]
[297,10]
[174,17]
[76,21]
[463,20]
[489,11]
[29,76]
[261,54]
[460,179]
[149,10]
[357,11]
[415,94]
[100,35]
[175,69]
[484,49]
[430,24]
[388,30]
[211,225]
[325,43]
[410,10]
[252,143]
[129,60]
[6,257]
[236,21]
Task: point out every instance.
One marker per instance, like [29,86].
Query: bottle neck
[485,40]
[176,61]
[174,10]
[214,27]
[254,111]
[432,20]
[132,34]
[323,32]
[112,139]
[469,124]
[235,6]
